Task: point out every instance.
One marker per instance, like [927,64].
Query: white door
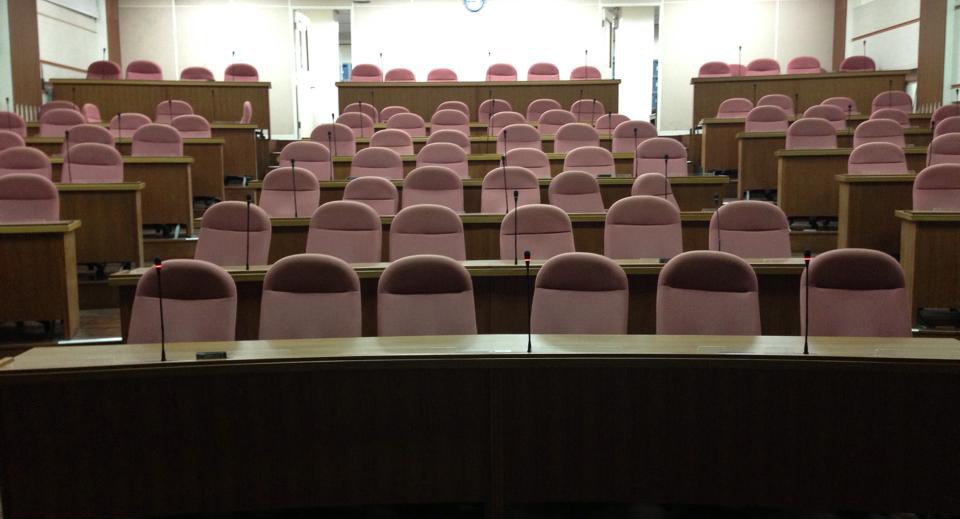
[317,47]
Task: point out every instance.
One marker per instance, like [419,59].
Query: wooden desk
[929,248]
[167,198]
[484,144]
[867,207]
[112,220]
[239,148]
[38,273]
[806,179]
[215,100]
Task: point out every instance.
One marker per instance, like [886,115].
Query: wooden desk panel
[867,207]
[239,148]
[207,169]
[929,248]
[484,145]
[717,152]
[112,220]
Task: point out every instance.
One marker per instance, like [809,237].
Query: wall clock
[474,5]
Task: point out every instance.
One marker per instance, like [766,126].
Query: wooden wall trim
[932,48]
[61,65]
[886,29]
[25,55]
[839,32]
[113,30]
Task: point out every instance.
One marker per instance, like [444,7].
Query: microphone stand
[249,199]
[516,224]
[526,261]
[806,302]
[293,180]
[719,203]
[158,265]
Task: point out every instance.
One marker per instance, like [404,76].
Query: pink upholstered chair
[501,120]
[390,111]
[654,184]
[520,135]
[25,160]
[857,64]
[400,74]
[606,123]
[542,229]
[450,119]
[574,135]
[804,65]
[290,193]
[496,193]
[628,135]
[310,296]
[442,74]
[492,106]
[750,229]
[855,292]
[944,149]
[359,123]
[26,197]
[338,138]
[346,229]
[444,154]
[377,162]
[408,122]
[311,156]
[394,139]
[948,125]
[192,126]
[766,119]
[537,107]
[9,139]
[812,133]
[433,185]
[92,162]
[223,235]
[937,188]
[833,114]
[103,69]
[59,120]
[734,108]
[59,103]
[197,74]
[157,140]
[714,69]
[893,114]
[642,227]
[652,153]
[144,70]
[945,111]
[879,130]
[425,295]
[737,70]
[167,110]
[91,113]
[707,293]
[241,72]
[247,115]
[377,192]
[585,73]
[896,99]
[364,108]
[552,120]
[366,73]
[587,110]
[199,304]
[593,285]
[845,104]
[14,123]
[427,229]
[501,72]
[593,160]
[877,158]
[763,67]
[454,105]
[784,102]
[575,192]
[543,72]
[530,158]
[451,136]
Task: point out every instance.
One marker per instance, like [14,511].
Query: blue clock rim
[466,3]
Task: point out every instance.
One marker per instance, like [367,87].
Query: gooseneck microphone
[739,59]
[754,94]
[506,143]
[578,113]
[492,112]
[119,127]
[666,182]
[609,123]
[332,144]
[374,106]
[506,201]
[864,48]
[293,181]
[586,54]
[381,63]
[717,201]
[66,159]
[526,261]
[516,223]
[796,103]
[635,146]
[593,110]
[213,101]
[170,109]
[249,199]
[103,54]
[158,265]
[889,93]
[806,301]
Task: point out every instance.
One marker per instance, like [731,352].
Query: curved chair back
[311,156]
[766,119]
[92,162]
[542,229]
[896,99]
[103,69]
[12,122]
[25,160]
[877,158]
[55,122]
[763,67]
[574,135]
[945,111]
[784,102]
[442,74]
[408,122]
[543,72]
[338,138]
[811,133]
[290,193]
[59,103]
[197,74]
[585,72]
[607,122]
[359,123]
[452,136]
[247,114]
[892,113]
[377,162]
[427,229]
[658,154]
[734,108]
[167,110]
[366,73]
[454,105]
[91,113]
[575,192]
[26,197]
[520,135]
[833,114]
[157,140]
[944,149]
[530,158]
[241,72]
[488,107]
[594,160]
[444,154]
[125,124]
[346,229]
[498,185]
[642,226]
[580,292]
[377,192]
[9,139]
[750,229]
[192,126]
[656,185]
[425,295]
[845,104]
[587,110]
[144,70]
[804,65]
[223,238]
[628,135]
[879,130]
[552,120]
[858,64]
[501,72]
[436,185]
[537,107]
[364,108]
[390,111]
[394,139]
[501,120]
[948,125]
[400,74]
[937,188]
[450,119]
[714,69]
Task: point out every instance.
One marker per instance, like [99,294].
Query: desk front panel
[112,222]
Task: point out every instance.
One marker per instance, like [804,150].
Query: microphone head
[516,195]
[807,255]
[249,198]
[716,199]
[526,255]
[157,264]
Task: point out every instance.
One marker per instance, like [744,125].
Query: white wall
[635,51]
[6,72]
[70,39]
[952,75]
[893,49]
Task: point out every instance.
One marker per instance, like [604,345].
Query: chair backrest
[377,162]
[25,160]
[289,193]
[454,105]
[364,108]
[491,106]
[707,293]
[199,304]
[159,140]
[879,130]
[804,65]
[396,139]
[145,70]
[784,102]
[197,74]
[812,133]
[223,234]
[501,120]
[896,99]
[59,120]
[337,137]
[501,72]
[427,229]
[310,296]
[192,126]
[857,63]
[437,185]
[126,123]
[450,119]
[309,155]
[763,67]
[544,230]
[659,153]
[91,113]
[247,114]
[606,123]
[14,123]
[346,229]
[948,125]
[580,292]
[377,192]
[574,135]
[945,111]
[451,136]
[628,135]
[425,295]
[241,72]
[877,158]
[593,160]
[587,110]
[845,104]
[498,185]
[444,154]
[410,123]
[937,188]
[519,135]
[735,107]
[750,229]
[442,74]
[737,69]
[554,119]
[893,114]
[543,72]
[390,111]
[92,162]
[585,72]
[766,119]
[103,69]
[575,192]
[831,113]
[714,69]
[642,226]
[400,74]
[9,139]
[167,110]
[530,158]
[366,73]
[59,103]
[360,124]
[27,197]
[944,149]
[854,292]
[654,184]
[537,107]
